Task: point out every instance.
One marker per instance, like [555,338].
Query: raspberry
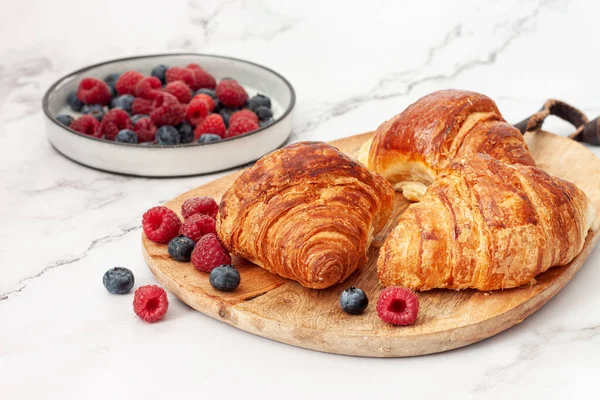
[211,124]
[167,110]
[240,126]
[145,130]
[398,306]
[87,125]
[244,114]
[180,90]
[199,205]
[147,87]
[231,93]
[93,91]
[209,254]
[150,303]
[196,111]
[180,74]
[127,82]
[203,79]
[160,224]
[197,226]
[141,106]
[114,120]
[209,101]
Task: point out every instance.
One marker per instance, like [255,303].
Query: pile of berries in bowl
[169,115]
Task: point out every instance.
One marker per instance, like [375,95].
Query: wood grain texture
[282,310]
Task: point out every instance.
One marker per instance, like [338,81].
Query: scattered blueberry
[74,102]
[168,135]
[111,80]
[95,110]
[354,300]
[226,113]
[118,280]
[266,122]
[159,72]
[224,278]
[126,136]
[137,117]
[187,132]
[180,248]
[123,102]
[264,113]
[260,100]
[64,119]
[208,138]
[209,92]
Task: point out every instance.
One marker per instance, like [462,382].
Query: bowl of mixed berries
[169,115]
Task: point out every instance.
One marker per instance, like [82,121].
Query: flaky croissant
[306,212]
[412,147]
[486,225]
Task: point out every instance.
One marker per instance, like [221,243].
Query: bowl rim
[45,100]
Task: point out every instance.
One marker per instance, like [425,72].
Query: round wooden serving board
[283,310]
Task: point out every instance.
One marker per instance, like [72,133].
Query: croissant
[412,147]
[486,225]
[306,212]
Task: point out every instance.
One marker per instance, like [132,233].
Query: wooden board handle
[585,131]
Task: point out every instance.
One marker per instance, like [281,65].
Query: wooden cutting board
[282,310]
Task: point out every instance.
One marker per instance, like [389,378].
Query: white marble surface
[353,65]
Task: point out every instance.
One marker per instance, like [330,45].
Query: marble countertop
[353,66]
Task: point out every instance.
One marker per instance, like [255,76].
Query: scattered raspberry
[197,226]
[147,88]
[196,111]
[244,114]
[231,93]
[209,254]
[167,110]
[211,124]
[161,224]
[141,106]
[240,126]
[398,306]
[127,82]
[150,303]
[114,120]
[199,205]
[87,125]
[180,90]
[208,100]
[145,129]
[181,74]
[203,79]
[93,91]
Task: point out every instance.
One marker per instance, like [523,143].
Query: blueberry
[218,106]
[187,132]
[264,113]
[137,117]
[168,135]
[180,248]
[74,102]
[208,138]
[95,110]
[118,280]
[111,80]
[226,113]
[224,278]
[126,136]
[159,72]
[123,102]
[354,300]
[64,119]
[209,92]
[266,122]
[260,100]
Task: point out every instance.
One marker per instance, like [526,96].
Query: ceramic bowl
[180,160]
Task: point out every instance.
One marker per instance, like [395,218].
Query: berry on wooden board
[225,278]
[209,254]
[160,224]
[199,205]
[398,306]
[180,248]
[354,300]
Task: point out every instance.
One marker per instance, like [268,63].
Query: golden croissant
[306,212]
[412,147]
[486,225]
